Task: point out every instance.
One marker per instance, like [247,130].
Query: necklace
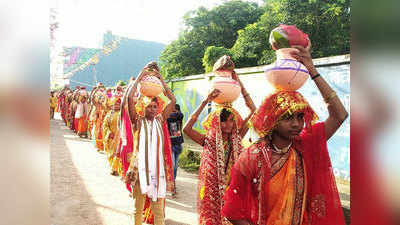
[283,150]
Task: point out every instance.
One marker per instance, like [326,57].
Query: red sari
[126,141]
[76,124]
[63,106]
[74,121]
[127,144]
[247,196]
[216,159]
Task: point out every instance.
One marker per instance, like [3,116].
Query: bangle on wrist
[330,97]
[315,76]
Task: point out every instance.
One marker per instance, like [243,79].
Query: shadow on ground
[172,222]
[69,199]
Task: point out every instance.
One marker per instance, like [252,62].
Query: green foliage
[182,57]
[212,54]
[244,28]
[189,160]
[215,27]
[252,41]
[121,83]
[326,22]
[56,87]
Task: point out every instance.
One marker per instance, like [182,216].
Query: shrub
[189,160]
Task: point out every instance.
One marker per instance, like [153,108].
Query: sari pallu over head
[212,177]
[277,105]
[252,171]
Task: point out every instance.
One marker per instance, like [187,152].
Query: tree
[182,57]
[212,54]
[326,22]
[249,46]
[203,28]
[120,83]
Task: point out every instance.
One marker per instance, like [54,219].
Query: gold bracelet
[331,95]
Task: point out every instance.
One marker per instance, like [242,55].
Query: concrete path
[84,193]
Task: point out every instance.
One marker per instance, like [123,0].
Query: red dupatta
[323,197]
[169,175]
[245,196]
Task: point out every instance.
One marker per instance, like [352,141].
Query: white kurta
[81,109]
[154,136]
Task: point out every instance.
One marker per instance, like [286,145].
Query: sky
[83,22]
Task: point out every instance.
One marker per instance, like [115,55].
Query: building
[119,59]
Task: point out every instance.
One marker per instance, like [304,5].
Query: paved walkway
[84,193]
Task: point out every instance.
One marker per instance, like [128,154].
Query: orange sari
[82,125]
[98,133]
[286,196]
[297,189]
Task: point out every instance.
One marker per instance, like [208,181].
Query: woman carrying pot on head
[286,177]
[221,147]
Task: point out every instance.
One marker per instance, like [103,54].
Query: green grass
[189,160]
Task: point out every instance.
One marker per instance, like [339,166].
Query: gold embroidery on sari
[277,166]
[299,194]
[318,205]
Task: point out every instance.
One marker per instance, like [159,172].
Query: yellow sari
[110,126]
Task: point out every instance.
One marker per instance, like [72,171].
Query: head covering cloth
[275,106]
[145,101]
